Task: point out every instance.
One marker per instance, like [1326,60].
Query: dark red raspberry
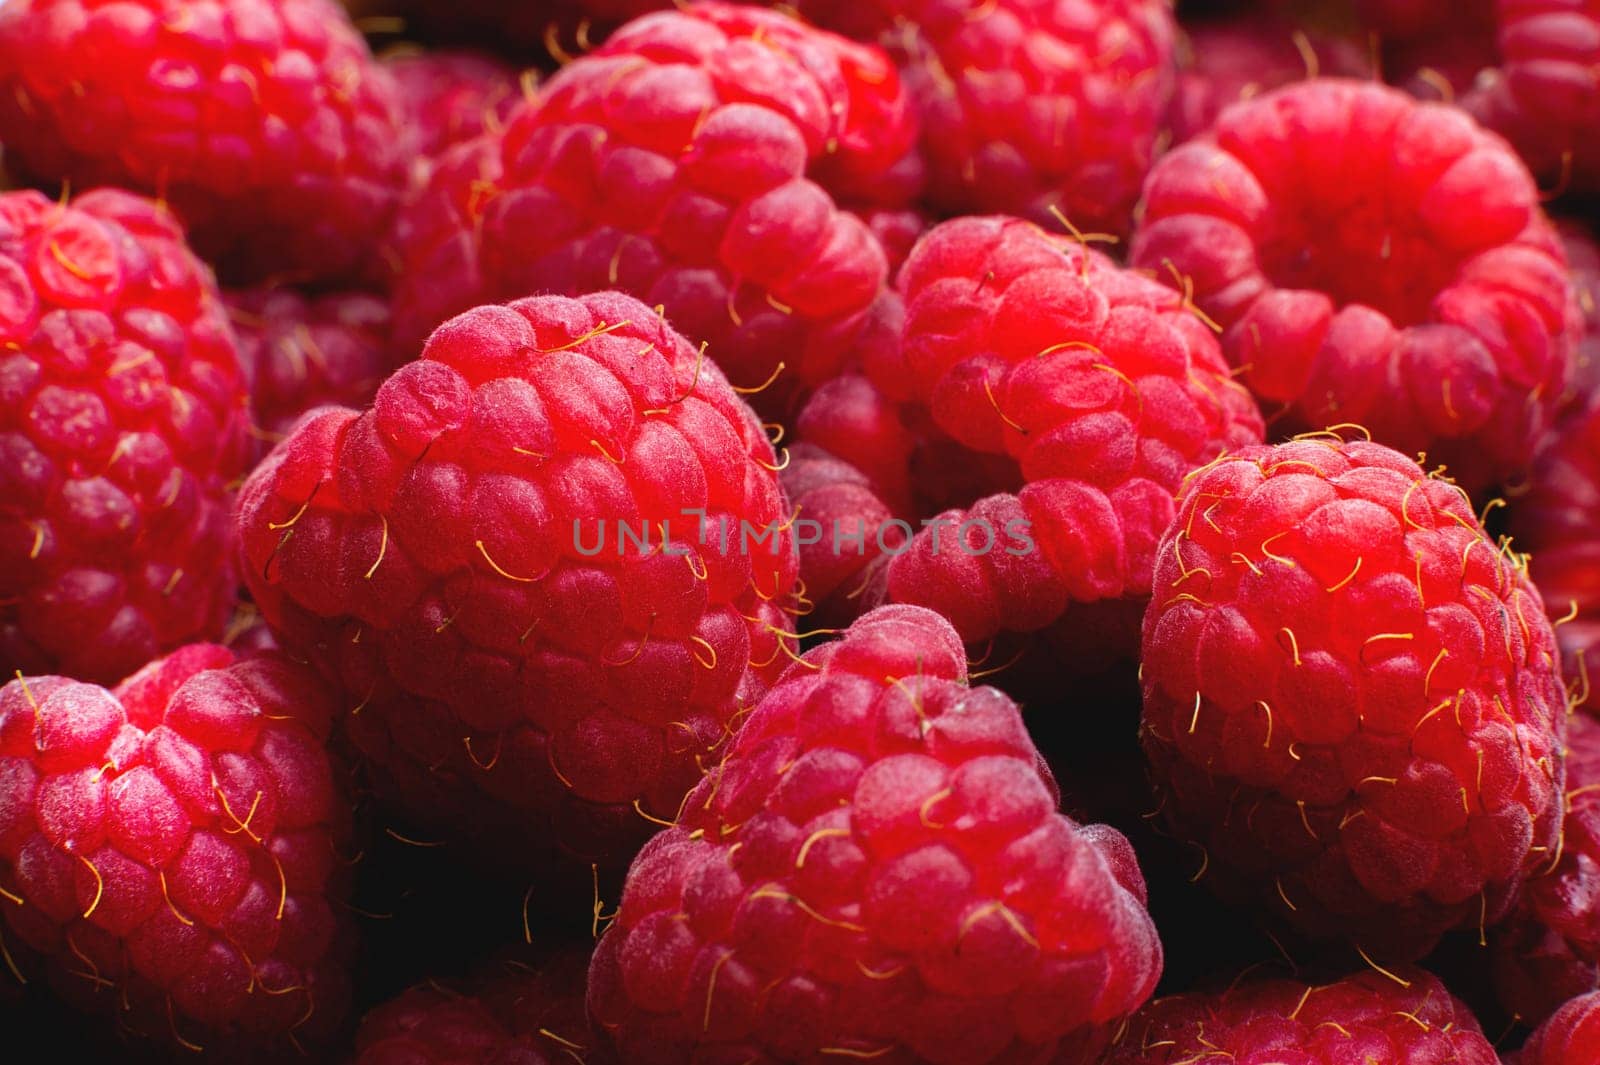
[691,161]
[1548,950]
[1402,1016]
[512,1014]
[1571,1037]
[877,869]
[122,421]
[302,352]
[1544,96]
[523,672]
[1583,263]
[265,123]
[451,96]
[1058,402]
[173,850]
[1375,260]
[1352,699]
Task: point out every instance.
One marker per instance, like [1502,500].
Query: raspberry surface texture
[877,869]
[173,852]
[1058,402]
[1583,264]
[1571,1037]
[123,420]
[451,96]
[1352,700]
[302,352]
[479,561]
[1548,950]
[1374,260]
[266,124]
[693,161]
[1408,1016]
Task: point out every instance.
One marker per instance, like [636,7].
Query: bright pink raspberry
[1375,260]
[173,850]
[1352,700]
[122,423]
[265,123]
[1544,96]
[302,352]
[691,161]
[1057,402]
[1570,1037]
[1403,1016]
[877,869]
[479,561]
[1548,950]
[451,96]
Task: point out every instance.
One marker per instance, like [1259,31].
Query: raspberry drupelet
[502,564]
[1373,260]
[1570,1037]
[697,160]
[877,870]
[1405,1015]
[451,96]
[123,420]
[266,124]
[172,852]
[1352,700]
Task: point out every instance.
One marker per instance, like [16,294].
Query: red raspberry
[513,1014]
[1375,260]
[1571,1037]
[1404,1016]
[523,671]
[1241,58]
[265,123]
[1555,519]
[172,849]
[1548,950]
[122,422]
[451,96]
[877,868]
[897,231]
[1543,95]
[1352,700]
[1407,20]
[685,162]
[302,352]
[1583,261]
[1067,399]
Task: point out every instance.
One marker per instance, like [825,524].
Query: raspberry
[1571,1037]
[1555,519]
[897,231]
[1240,58]
[301,352]
[513,1013]
[466,559]
[265,123]
[1543,95]
[877,869]
[1548,950]
[172,849]
[1583,261]
[451,96]
[680,162]
[1375,260]
[1067,398]
[1352,700]
[1406,1016]
[122,421]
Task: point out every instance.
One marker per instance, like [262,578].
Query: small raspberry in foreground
[174,850]
[1570,1037]
[877,869]
[123,422]
[1403,1016]
[1374,260]
[479,560]
[1548,950]
[1352,702]
[265,123]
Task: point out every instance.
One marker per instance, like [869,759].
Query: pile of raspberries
[734,533]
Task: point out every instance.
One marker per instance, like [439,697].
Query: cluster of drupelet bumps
[936,531]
